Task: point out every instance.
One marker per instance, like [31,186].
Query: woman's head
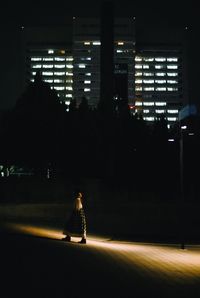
[80,194]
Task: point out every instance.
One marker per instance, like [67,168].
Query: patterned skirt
[76,225]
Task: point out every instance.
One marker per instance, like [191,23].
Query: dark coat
[76,225]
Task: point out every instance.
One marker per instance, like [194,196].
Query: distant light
[184,127]
[186,28]
[74,18]
[170,140]
[50,51]
[22,27]
[134,18]
[191,134]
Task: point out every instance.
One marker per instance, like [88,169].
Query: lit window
[138,74]
[88,74]
[47,66]
[149,89]
[138,103]
[69,81]
[172,111]
[96,43]
[59,88]
[119,51]
[172,89]
[69,73]
[138,88]
[69,59]
[81,65]
[138,66]
[59,66]
[69,66]
[160,81]
[68,95]
[50,51]
[145,66]
[148,103]
[161,89]
[69,88]
[172,59]
[47,59]
[160,103]
[172,74]
[148,81]
[148,59]
[62,51]
[138,81]
[171,118]
[159,66]
[36,59]
[59,59]
[148,74]
[47,73]
[149,118]
[87,89]
[160,111]
[37,66]
[160,74]
[138,58]
[172,82]
[87,82]
[145,111]
[172,66]
[86,43]
[33,73]
[48,81]
[58,81]
[160,59]
[59,73]
[120,43]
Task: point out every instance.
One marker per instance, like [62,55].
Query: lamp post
[182,194]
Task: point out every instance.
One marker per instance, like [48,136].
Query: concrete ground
[35,261]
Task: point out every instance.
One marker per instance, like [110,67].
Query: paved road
[35,261]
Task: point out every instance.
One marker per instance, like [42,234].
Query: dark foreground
[43,267]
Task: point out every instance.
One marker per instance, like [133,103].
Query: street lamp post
[182,194]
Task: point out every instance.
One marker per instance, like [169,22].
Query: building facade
[153,74]
[158,82]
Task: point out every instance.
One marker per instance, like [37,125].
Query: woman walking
[76,225]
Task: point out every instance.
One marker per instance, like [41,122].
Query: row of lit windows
[154,118]
[94,43]
[157,59]
[48,73]
[60,88]
[156,81]
[156,89]
[52,66]
[146,66]
[51,59]
[158,74]
[58,81]
[139,103]
[161,111]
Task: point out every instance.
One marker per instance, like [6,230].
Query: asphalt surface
[38,263]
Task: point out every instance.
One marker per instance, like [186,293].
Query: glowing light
[166,262]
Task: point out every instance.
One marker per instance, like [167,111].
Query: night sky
[150,15]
